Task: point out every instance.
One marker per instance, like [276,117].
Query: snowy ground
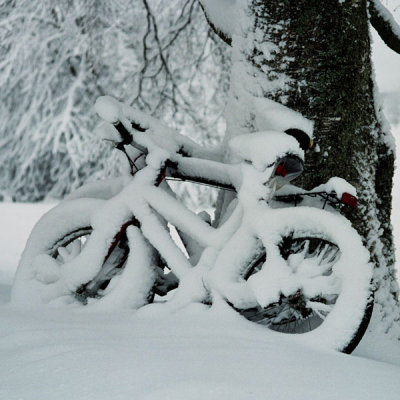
[194,354]
[16,222]
[152,354]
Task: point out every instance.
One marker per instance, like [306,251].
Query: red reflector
[349,200]
[281,170]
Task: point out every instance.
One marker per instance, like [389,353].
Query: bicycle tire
[64,228]
[318,249]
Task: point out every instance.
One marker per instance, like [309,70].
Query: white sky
[387,66]
[387,70]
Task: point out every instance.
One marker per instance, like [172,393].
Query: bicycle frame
[147,198]
[147,187]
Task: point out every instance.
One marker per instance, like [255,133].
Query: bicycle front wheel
[65,236]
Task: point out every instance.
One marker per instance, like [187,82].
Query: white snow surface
[16,222]
[159,353]
[263,148]
[153,354]
[275,116]
[337,185]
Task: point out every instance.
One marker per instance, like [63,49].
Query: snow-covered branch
[56,59]
[225,36]
[223,17]
[384,23]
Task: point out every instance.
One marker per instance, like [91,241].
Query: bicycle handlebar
[126,136]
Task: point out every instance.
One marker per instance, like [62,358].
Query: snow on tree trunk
[314,57]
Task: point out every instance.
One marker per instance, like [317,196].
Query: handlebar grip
[125,134]
[138,127]
[127,137]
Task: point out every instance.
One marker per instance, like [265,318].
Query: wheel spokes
[321,309]
[311,262]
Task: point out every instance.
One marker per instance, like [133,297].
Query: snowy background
[387,70]
[197,353]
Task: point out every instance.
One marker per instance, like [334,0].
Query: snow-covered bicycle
[299,270]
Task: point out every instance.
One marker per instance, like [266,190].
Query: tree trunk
[314,57]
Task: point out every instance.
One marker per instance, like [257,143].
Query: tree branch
[224,36]
[385,25]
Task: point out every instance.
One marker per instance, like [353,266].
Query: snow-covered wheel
[313,281]
[63,240]
[113,265]
[302,311]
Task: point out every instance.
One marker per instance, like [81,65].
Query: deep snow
[152,354]
[193,354]
[16,222]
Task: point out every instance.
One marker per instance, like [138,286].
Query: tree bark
[321,50]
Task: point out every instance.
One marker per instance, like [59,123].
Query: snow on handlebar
[108,109]
[115,130]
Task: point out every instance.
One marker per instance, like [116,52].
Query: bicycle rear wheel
[315,280]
